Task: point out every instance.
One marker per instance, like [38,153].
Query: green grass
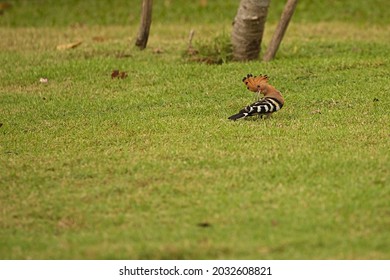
[38,13]
[149,167]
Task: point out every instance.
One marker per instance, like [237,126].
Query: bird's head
[255,83]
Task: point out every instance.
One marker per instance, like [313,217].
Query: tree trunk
[280,30]
[146,21]
[248,28]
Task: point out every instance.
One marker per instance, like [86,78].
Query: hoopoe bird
[271,102]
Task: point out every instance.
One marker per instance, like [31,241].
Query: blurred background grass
[35,13]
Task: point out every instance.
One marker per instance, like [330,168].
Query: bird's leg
[265,116]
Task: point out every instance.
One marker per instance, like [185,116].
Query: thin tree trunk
[280,29]
[248,29]
[146,21]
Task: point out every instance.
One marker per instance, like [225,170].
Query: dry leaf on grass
[157,50]
[68,46]
[99,39]
[316,112]
[123,75]
[118,74]
[114,74]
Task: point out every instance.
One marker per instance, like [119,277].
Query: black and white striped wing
[267,105]
[264,106]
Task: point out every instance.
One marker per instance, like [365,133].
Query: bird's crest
[253,82]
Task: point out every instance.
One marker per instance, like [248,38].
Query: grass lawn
[149,167]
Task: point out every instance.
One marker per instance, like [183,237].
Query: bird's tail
[237,116]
